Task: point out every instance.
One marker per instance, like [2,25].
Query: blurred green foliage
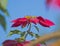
[3,9]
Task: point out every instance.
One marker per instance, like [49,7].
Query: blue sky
[21,8]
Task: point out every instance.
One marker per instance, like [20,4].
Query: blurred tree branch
[44,38]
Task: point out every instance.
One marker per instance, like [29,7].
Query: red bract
[26,20]
[57,2]
[53,3]
[9,43]
[19,21]
[45,22]
[34,20]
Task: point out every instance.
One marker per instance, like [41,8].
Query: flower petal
[42,21]
[16,20]
[16,24]
[57,2]
[45,22]
[9,43]
[23,19]
[34,20]
[19,21]
[24,24]
[53,3]
[48,22]
[40,18]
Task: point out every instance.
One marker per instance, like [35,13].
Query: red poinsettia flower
[53,3]
[30,19]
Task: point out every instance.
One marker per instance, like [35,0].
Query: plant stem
[28,31]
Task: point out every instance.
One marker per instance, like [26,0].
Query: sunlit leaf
[3,4]
[14,32]
[3,22]
[4,11]
[21,39]
[36,28]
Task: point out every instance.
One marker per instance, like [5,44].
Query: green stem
[28,31]
[23,38]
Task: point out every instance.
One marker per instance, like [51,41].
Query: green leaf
[21,39]
[4,11]
[36,28]
[14,32]
[3,22]
[36,35]
[43,43]
[3,4]
[32,34]
[23,33]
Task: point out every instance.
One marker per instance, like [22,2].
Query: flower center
[29,17]
[33,16]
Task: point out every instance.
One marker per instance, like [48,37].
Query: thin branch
[44,38]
